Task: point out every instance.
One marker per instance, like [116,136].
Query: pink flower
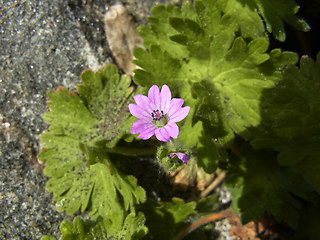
[182,156]
[157,114]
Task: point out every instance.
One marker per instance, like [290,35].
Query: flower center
[159,119]
[157,115]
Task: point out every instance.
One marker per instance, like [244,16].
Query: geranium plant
[228,105]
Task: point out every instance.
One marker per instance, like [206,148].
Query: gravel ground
[42,46]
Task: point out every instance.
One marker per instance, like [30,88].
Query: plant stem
[221,175]
[202,221]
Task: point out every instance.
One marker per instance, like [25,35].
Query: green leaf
[223,78]
[96,190]
[244,13]
[133,228]
[83,229]
[47,237]
[309,222]
[82,175]
[258,185]
[106,96]
[209,151]
[291,120]
[96,114]
[275,13]
[230,102]
[165,219]
[196,53]
[155,60]
[208,205]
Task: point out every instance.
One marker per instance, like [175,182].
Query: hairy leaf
[309,222]
[245,14]
[47,237]
[259,185]
[222,77]
[165,219]
[106,95]
[133,228]
[83,230]
[82,177]
[292,121]
[274,13]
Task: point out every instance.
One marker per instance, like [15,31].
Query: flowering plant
[251,123]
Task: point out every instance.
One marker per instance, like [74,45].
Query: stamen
[157,115]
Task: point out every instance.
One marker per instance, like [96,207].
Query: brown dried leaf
[263,229]
[182,179]
[239,231]
[122,36]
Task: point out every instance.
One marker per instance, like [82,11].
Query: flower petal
[172,129]
[146,129]
[139,126]
[175,105]
[140,112]
[145,102]
[148,132]
[162,134]
[182,156]
[154,96]
[179,115]
[165,97]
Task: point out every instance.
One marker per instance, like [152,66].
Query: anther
[157,115]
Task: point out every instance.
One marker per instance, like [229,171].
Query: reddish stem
[202,221]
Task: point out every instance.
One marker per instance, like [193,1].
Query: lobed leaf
[79,229]
[307,228]
[291,120]
[82,127]
[259,185]
[166,219]
[223,78]
[83,229]
[252,15]
[276,13]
